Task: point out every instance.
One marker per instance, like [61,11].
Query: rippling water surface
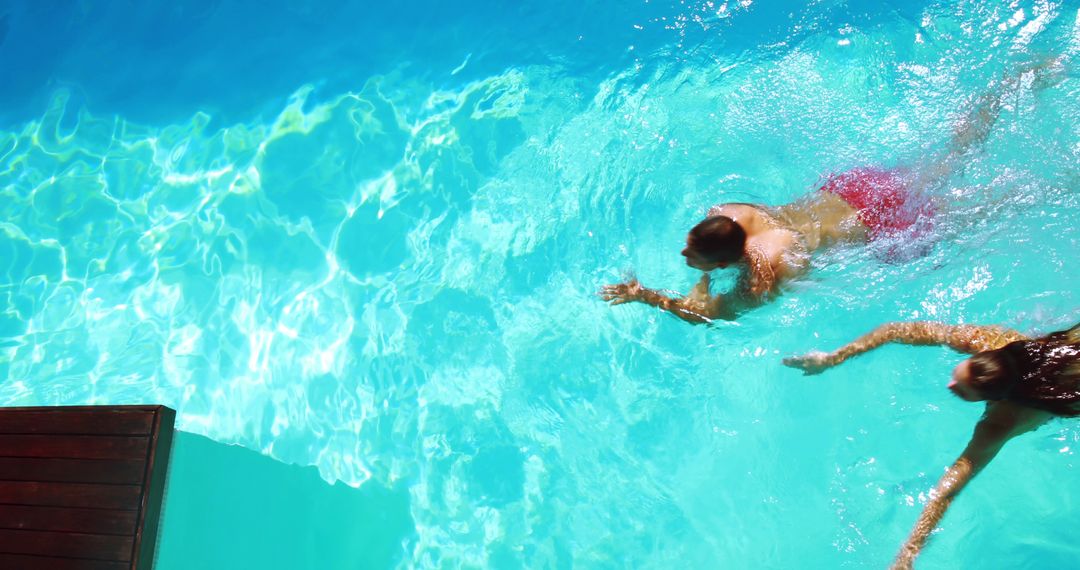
[371,242]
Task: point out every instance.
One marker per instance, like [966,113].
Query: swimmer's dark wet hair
[718,239]
[1042,373]
[994,373]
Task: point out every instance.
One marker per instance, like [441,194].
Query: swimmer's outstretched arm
[697,307]
[757,283]
[963,338]
[1002,421]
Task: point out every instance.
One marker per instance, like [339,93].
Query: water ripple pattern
[396,284]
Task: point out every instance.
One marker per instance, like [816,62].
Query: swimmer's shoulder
[750,216]
[732,210]
[783,249]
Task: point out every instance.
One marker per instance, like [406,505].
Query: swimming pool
[369,240]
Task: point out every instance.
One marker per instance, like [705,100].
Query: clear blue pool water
[368,239]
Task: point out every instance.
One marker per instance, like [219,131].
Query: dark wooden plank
[84,421]
[66,544]
[60,519]
[92,493]
[26,562]
[116,471]
[157,472]
[126,497]
[74,446]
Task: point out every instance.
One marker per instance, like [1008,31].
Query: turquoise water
[370,243]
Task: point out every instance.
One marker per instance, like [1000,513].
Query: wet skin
[778,246]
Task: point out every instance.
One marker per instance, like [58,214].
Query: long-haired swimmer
[1024,382]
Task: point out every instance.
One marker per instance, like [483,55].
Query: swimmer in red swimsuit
[773,244]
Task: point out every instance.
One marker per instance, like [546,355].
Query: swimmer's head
[989,375]
[1043,373]
[714,243]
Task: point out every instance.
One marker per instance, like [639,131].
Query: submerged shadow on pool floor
[229,507]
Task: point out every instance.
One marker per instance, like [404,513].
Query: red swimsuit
[885,204]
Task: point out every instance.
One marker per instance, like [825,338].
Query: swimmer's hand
[629,291]
[692,309]
[812,362]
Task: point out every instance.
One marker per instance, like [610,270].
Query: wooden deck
[81,487]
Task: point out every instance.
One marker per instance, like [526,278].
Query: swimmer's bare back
[823,219]
[775,251]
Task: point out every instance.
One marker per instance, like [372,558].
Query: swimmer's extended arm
[964,338]
[697,307]
[1002,421]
